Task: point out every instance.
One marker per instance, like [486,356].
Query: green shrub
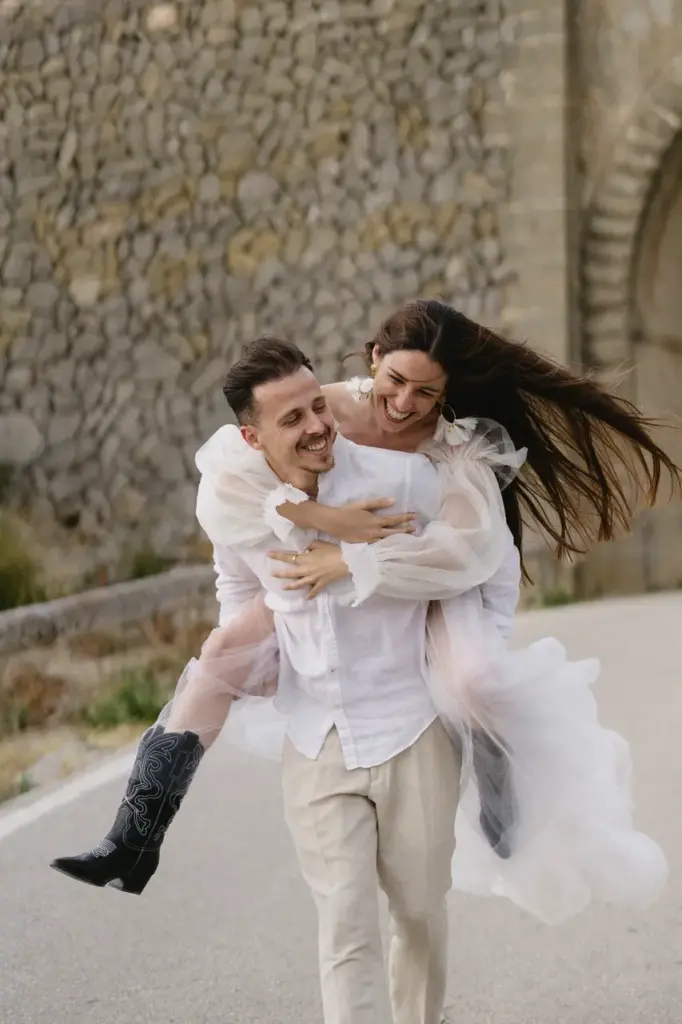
[148,562]
[137,697]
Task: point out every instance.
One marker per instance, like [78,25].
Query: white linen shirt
[361,670]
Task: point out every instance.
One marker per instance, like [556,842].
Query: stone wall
[177,178]
[533,221]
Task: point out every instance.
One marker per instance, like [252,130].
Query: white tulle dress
[562,786]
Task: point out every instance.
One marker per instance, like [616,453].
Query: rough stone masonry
[177,178]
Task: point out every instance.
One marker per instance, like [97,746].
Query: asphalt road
[225,933]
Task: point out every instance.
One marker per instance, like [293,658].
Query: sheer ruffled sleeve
[467,542]
[500,594]
[239,494]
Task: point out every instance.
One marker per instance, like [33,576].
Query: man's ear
[250,435]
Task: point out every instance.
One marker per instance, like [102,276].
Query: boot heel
[135,881]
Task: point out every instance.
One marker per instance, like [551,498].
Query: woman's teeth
[394,415]
[317,446]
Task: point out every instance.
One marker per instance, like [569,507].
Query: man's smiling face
[294,428]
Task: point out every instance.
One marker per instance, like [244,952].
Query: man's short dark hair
[263,360]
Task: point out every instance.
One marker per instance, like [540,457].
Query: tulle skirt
[572,838]
[545,817]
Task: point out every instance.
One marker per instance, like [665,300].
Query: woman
[589,457]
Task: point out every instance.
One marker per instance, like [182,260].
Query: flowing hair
[591,457]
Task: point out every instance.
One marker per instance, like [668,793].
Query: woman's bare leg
[203,702]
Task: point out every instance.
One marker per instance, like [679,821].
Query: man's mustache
[314,438]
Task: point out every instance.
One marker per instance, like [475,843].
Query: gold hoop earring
[448,413]
[373,370]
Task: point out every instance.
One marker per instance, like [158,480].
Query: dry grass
[56,753]
[110,718]
[105,740]
[62,706]
[20,578]
[20,753]
[30,699]
[97,644]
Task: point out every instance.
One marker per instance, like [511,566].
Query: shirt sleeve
[462,548]
[239,494]
[236,584]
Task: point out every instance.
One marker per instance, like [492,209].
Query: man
[370,776]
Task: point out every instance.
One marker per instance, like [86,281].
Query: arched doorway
[631,291]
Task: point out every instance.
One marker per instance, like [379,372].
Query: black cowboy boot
[496,793]
[129,854]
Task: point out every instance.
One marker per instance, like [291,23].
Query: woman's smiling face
[408,386]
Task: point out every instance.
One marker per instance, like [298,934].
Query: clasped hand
[312,569]
[356,523]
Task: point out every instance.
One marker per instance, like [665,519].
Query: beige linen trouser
[395,825]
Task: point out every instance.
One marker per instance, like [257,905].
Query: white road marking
[12,821]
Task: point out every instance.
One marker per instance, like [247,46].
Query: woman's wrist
[284,496]
[306,515]
[341,567]
[363,568]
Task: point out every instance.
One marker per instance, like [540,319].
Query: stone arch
[614,218]
[656,299]
[634,208]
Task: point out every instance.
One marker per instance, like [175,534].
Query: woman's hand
[360,522]
[314,568]
[356,523]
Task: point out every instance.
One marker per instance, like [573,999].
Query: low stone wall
[110,608]
[75,673]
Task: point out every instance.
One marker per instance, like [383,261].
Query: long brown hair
[591,458]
